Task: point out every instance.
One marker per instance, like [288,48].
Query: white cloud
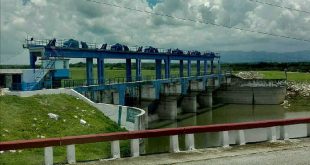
[87,21]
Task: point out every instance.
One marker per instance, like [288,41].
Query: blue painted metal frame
[89,71]
[138,70]
[98,53]
[128,70]
[100,70]
[158,68]
[167,68]
[198,67]
[189,68]
[181,68]
[205,67]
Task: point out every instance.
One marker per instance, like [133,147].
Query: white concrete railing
[269,126]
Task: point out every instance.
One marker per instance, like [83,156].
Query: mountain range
[260,56]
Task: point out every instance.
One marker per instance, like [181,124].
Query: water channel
[230,113]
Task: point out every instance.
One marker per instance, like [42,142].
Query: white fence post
[225,139]
[240,139]
[135,147]
[272,134]
[115,149]
[71,154]
[48,155]
[283,133]
[189,142]
[174,143]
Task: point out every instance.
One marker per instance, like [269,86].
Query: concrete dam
[201,96]
[163,96]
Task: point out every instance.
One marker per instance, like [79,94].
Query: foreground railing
[134,136]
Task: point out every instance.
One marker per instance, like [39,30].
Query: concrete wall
[110,110]
[197,86]
[167,109]
[244,95]
[258,82]
[189,104]
[148,92]
[171,89]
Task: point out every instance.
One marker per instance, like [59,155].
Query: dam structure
[168,93]
[163,96]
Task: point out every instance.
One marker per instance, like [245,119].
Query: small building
[50,74]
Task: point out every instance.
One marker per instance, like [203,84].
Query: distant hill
[254,57]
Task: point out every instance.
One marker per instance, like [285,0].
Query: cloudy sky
[93,22]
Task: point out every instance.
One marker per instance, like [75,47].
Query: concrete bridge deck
[294,151]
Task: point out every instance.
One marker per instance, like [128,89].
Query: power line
[279,6]
[202,21]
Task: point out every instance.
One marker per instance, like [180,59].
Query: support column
[121,92]
[89,71]
[205,67]
[219,66]
[272,134]
[167,68]
[189,142]
[33,60]
[225,139]
[212,67]
[138,70]
[181,68]
[100,70]
[205,99]
[174,144]
[240,139]
[135,147]
[198,67]
[48,155]
[189,104]
[71,154]
[115,149]
[128,70]
[284,132]
[158,68]
[189,68]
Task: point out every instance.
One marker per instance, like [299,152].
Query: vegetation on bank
[27,118]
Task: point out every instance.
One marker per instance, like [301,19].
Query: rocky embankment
[294,89]
[298,89]
[249,75]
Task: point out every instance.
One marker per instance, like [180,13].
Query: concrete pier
[171,89]
[148,92]
[205,100]
[168,109]
[197,86]
[251,95]
[189,104]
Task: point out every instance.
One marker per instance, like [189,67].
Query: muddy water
[228,114]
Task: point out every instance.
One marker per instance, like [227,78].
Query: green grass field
[291,76]
[80,73]
[27,118]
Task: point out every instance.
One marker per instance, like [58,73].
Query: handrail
[82,139]
[96,46]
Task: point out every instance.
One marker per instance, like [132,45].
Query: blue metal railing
[61,43]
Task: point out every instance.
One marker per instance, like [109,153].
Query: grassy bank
[27,118]
[291,76]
